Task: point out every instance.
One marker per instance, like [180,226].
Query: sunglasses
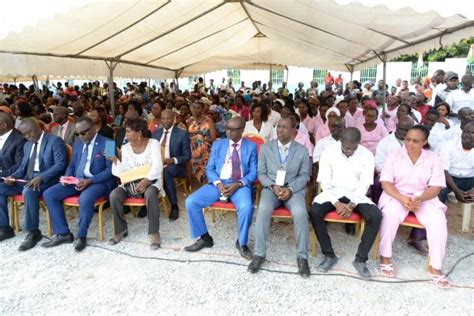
[83,133]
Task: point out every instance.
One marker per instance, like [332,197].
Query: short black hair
[422,129]
[138,125]
[262,107]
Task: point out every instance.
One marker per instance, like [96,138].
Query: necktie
[31,164]
[284,151]
[235,164]
[82,163]
[165,139]
[61,132]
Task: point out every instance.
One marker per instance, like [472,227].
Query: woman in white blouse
[140,150]
[259,124]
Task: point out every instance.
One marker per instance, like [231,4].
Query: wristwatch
[241,184]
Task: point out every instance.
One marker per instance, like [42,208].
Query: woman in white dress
[259,124]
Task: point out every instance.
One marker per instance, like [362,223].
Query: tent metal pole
[384,60]
[110,78]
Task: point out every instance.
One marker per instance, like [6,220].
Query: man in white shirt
[336,127]
[458,161]
[461,97]
[346,173]
[392,142]
[465,116]
[438,85]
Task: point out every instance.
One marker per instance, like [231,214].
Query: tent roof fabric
[166,38]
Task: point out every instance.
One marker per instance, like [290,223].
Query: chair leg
[101,222]
[466,217]
[16,216]
[428,264]
[376,247]
[213,216]
[312,242]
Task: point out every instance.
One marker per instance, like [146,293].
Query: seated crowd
[380,160]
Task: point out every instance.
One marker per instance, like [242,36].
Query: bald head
[6,123]
[60,114]
[30,130]
[235,128]
[466,115]
[351,135]
[403,125]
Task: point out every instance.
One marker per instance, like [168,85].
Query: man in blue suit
[94,171]
[11,154]
[231,171]
[43,162]
[177,152]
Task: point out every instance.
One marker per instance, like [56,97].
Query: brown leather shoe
[118,238]
[155,241]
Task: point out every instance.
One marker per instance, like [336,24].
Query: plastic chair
[17,201]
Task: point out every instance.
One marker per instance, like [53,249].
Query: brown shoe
[155,241]
[118,238]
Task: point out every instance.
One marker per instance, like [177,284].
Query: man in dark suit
[65,128]
[176,151]
[43,162]
[11,146]
[11,154]
[91,167]
[231,171]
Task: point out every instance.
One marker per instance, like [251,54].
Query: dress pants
[429,215]
[208,194]
[54,196]
[297,206]
[30,207]
[369,212]
[118,195]
[169,173]
[464,184]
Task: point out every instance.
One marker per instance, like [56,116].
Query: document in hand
[69,180]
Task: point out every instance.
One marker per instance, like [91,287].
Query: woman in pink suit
[412,178]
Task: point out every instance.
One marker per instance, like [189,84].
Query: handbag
[131,178]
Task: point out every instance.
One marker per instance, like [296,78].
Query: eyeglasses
[231,129]
[83,133]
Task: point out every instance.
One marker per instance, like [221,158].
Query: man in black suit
[11,154]
[176,151]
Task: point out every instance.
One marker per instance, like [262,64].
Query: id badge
[280,178]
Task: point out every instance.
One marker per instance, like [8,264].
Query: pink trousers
[431,215]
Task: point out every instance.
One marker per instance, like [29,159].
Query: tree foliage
[460,49]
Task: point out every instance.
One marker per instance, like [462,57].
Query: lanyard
[283,161]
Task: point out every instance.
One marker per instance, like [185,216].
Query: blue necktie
[82,163]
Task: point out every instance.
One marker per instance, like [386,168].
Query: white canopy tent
[169,38]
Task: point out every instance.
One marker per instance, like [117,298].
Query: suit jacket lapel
[243,156]
[44,143]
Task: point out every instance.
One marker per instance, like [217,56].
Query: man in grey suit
[283,166]
[64,129]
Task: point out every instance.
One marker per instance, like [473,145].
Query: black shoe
[80,244]
[255,264]
[244,251]
[362,269]
[57,240]
[350,229]
[6,233]
[199,244]
[327,263]
[32,238]
[142,212]
[174,214]
[303,267]
[418,245]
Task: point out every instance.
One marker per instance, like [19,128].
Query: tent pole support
[110,78]
[350,68]
[384,71]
